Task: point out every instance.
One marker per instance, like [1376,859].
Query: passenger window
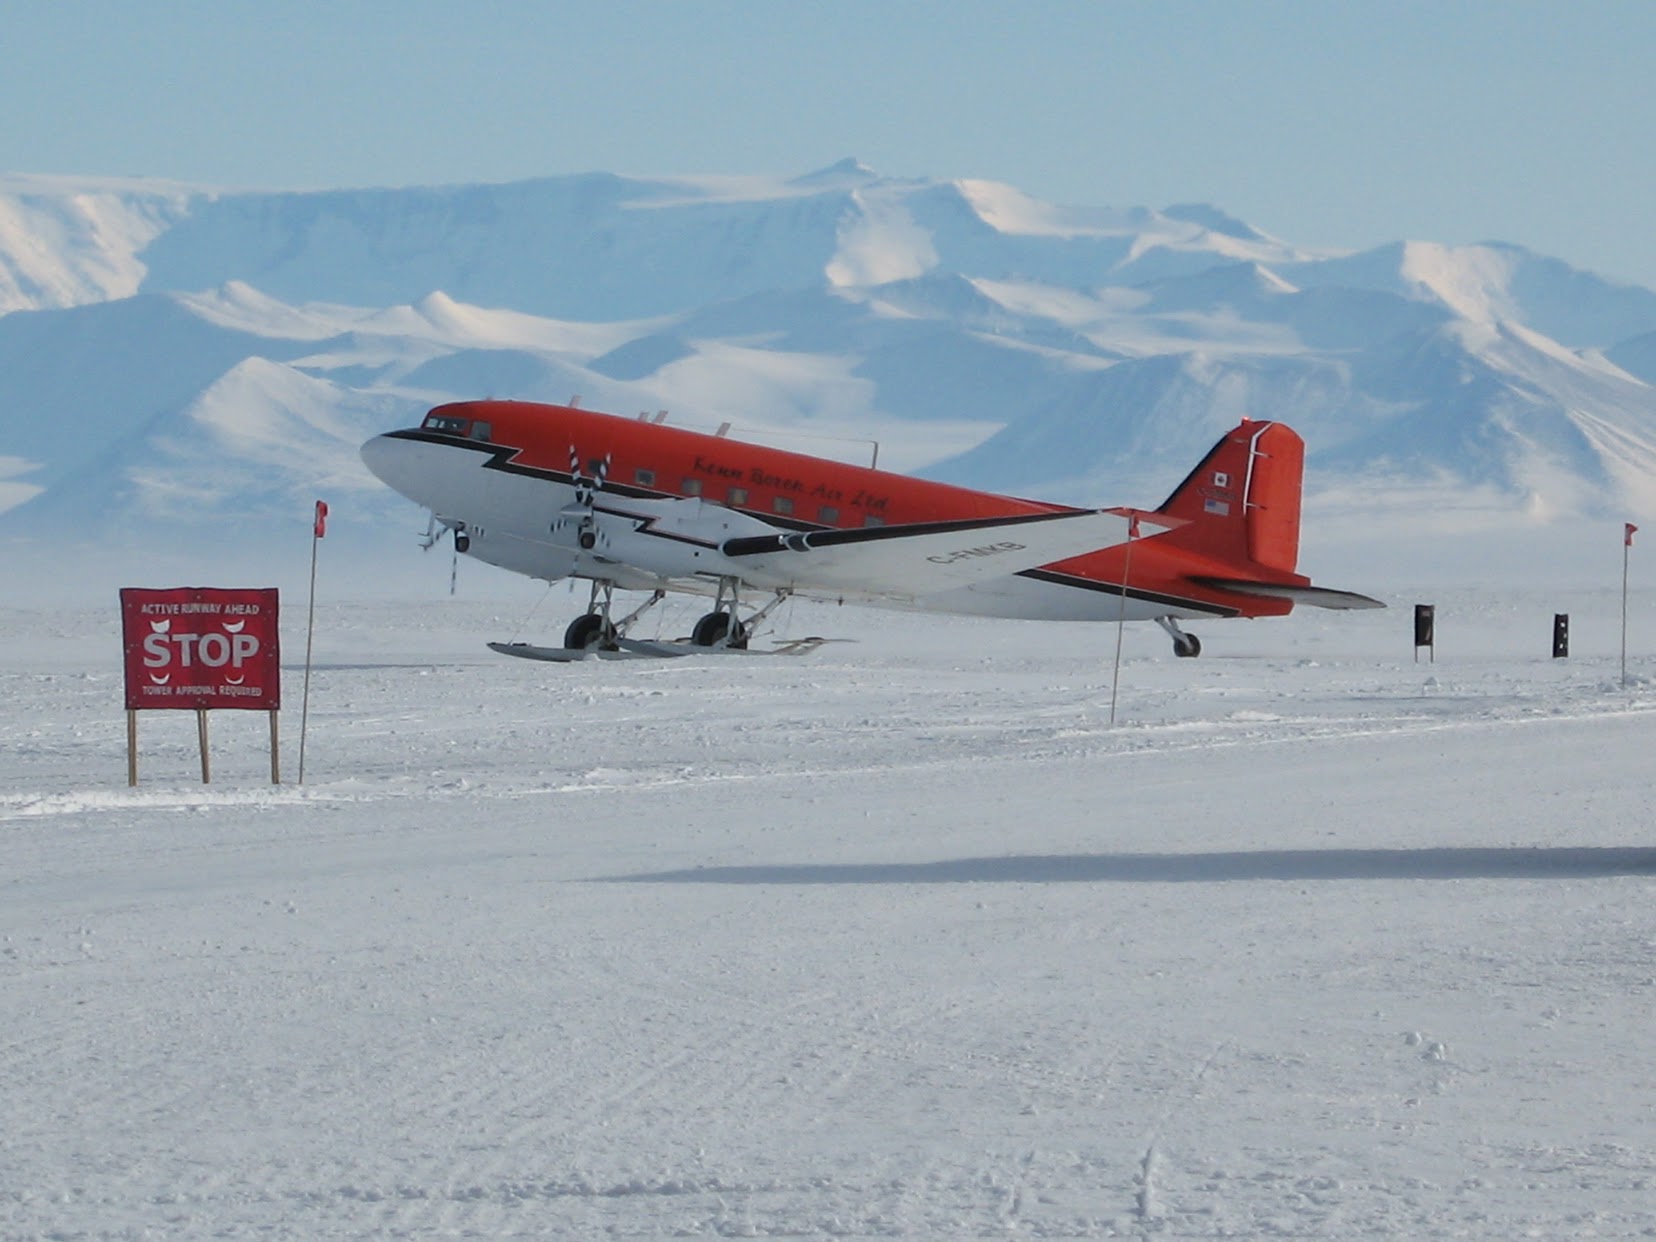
[828,515]
[871,520]
[644,478]
[737,495]
[782,504]
[691,487]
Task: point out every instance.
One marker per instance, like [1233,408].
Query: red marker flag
[321,518]
[1629,534]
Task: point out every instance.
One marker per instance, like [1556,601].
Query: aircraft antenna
[778,437]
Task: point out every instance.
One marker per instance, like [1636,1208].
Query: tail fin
[1242,502]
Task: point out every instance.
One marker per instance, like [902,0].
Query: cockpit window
[481,431]
[447,422]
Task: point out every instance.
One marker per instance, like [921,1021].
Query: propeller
[581,510]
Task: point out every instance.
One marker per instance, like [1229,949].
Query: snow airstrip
[900,938]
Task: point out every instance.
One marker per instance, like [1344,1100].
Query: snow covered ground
[900,938]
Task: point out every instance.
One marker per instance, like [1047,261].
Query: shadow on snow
[1401,864]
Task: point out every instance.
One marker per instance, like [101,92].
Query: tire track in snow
[1147,1200]
[752,1064]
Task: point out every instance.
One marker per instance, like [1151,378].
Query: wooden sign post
[197,648]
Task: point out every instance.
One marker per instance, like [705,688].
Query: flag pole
[1121,619]
[318,529]
[1628,530]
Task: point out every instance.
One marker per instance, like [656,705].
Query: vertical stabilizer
[1242,502]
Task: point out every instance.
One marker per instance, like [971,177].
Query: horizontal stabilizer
[1317,597]
[910,561]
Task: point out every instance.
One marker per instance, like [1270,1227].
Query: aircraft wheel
[713,627]
[589,630]
[1187,646]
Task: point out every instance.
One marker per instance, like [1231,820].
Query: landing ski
[648,649]
[669,648]
[563,655]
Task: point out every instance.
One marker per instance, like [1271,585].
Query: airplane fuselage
[555,492]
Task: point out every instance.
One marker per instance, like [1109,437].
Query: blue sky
[1333,124]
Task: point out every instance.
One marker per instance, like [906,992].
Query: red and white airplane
[555,492]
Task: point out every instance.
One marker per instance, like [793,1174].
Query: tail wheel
[590,630]
[713,627]
[1187,646]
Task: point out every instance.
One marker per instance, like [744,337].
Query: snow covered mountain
[176,362]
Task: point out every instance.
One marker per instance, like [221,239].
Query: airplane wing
[923,558]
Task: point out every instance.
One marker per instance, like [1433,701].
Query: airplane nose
[388,459]
[376,454]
